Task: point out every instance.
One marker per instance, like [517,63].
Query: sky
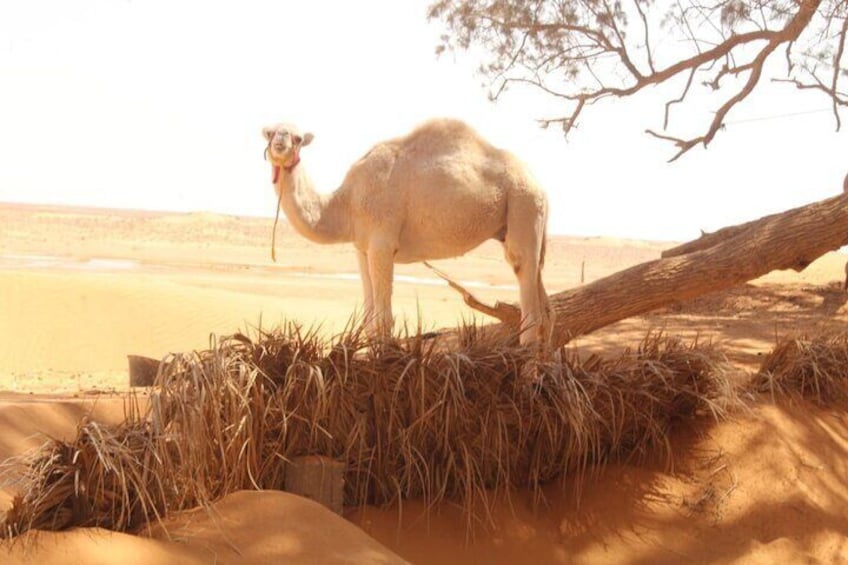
[159,105]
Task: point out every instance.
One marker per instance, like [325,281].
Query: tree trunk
[791,240]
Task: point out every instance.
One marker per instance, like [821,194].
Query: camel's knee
[521,258]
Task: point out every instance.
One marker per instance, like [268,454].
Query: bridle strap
[289,168]
[295,161]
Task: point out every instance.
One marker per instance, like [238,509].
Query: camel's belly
[420,244]
[443,221]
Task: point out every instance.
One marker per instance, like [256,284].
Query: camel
[436,193]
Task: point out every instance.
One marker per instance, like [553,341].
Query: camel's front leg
[381,271]
[367,290]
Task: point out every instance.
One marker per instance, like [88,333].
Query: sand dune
[244,527]
[766,487]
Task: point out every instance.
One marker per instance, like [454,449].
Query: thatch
[812,367]
[408,419]
[105,478]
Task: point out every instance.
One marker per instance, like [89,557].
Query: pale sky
[159,104]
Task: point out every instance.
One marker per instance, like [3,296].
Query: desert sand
[80,289]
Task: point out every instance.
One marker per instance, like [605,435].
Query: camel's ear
[307,139]
[268,133]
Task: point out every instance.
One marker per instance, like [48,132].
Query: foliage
[811,367]
[583,51]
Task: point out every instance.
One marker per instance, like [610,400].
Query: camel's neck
[317,217]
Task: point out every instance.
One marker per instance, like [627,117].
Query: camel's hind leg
[524,247]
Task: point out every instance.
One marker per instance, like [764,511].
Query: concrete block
[318,478]
[143,370]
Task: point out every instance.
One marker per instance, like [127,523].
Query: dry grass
[106,478]
[812,367]
[409,420]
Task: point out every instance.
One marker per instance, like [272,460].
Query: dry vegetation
[813,367]
[408,419]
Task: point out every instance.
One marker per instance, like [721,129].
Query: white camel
[436,193]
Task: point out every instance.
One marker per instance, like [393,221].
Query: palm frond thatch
[813,367]
[408,418]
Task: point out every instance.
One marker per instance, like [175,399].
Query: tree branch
[837,59]
[678,100]
[839,98]
[647,37]
[586,40]
[506,313]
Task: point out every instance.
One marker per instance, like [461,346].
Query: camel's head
[284,143]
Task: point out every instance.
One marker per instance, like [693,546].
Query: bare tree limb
[578,51]
[682,96]
[839,98]
[684,144]
[791,240]
[647,36]
[506,313]
[837,59]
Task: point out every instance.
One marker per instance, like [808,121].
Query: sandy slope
[81,289]
[244,527]
[768,488]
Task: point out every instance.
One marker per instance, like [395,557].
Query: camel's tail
[540,285]
[543,251]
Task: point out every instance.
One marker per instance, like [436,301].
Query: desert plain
[82,288]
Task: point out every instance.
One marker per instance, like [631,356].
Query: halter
[275,178]
[288,167]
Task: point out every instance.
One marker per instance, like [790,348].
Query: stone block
[318,478]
